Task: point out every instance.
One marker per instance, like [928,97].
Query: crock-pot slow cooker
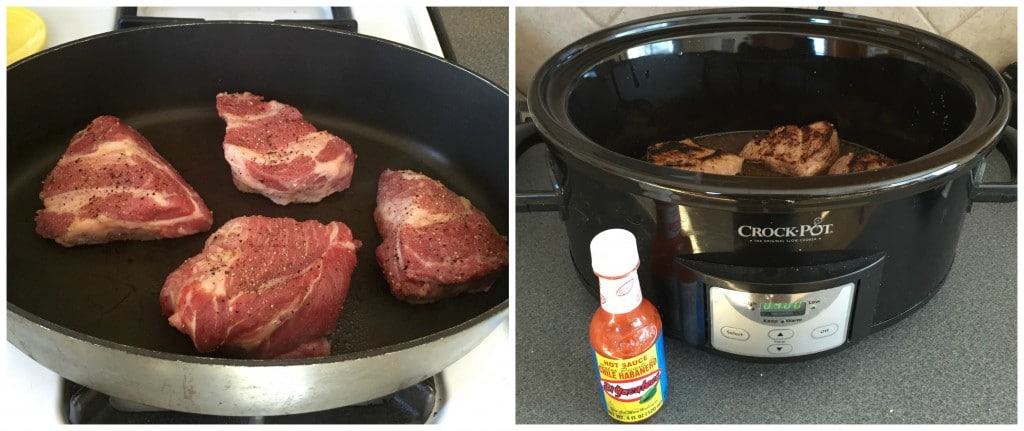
[771,268]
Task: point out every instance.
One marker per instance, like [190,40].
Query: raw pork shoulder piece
[274,152]
[851,163]
[436,244]
[797,151]
[689,156]
[263,288]
[110,185]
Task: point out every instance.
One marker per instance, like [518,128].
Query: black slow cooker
[771,268]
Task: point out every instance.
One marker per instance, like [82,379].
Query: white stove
[474,390]
[406,25]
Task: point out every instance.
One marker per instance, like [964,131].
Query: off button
[735,333]
[824,331]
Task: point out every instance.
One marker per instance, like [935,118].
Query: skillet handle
[527,136]
[999,191]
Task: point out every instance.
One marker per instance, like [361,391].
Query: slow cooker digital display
[783,309]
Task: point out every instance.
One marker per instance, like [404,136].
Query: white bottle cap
[614,258]
[613,253]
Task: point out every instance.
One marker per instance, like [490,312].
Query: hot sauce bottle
[625,332]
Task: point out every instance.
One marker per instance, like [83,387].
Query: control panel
[779,325]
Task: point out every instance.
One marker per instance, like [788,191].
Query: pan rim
[269,24]
[210,360]
[207,360]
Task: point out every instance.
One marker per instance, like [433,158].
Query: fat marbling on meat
[273,151]
[263,288]
[436,244]
[110,185]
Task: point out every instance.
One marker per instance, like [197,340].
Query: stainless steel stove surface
[416,404]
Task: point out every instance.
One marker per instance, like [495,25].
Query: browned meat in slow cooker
[798,151]
[688,155]
[851,163]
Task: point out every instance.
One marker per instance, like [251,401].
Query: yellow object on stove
[26,33]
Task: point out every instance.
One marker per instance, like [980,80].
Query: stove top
[403,24]
[413,405]
[339,18]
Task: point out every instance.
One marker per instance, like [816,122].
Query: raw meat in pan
[436,243]
[274,152]
[797,151]
[263,288]
[851,163]
[688,155]
[111,185]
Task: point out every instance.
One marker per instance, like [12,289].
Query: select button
[735,333]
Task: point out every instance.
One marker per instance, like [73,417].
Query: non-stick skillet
[91,314]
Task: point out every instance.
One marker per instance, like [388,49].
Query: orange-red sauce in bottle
[625,333]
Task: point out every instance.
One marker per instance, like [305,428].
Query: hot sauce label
[634,388]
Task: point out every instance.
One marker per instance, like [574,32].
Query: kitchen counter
[477,39]
[952,361]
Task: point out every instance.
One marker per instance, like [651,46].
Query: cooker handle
[1000,191]
[527,136]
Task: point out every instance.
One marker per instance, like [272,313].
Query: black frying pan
[399,108]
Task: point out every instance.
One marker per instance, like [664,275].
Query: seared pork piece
[797,151]
[689,156]
[851,163]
